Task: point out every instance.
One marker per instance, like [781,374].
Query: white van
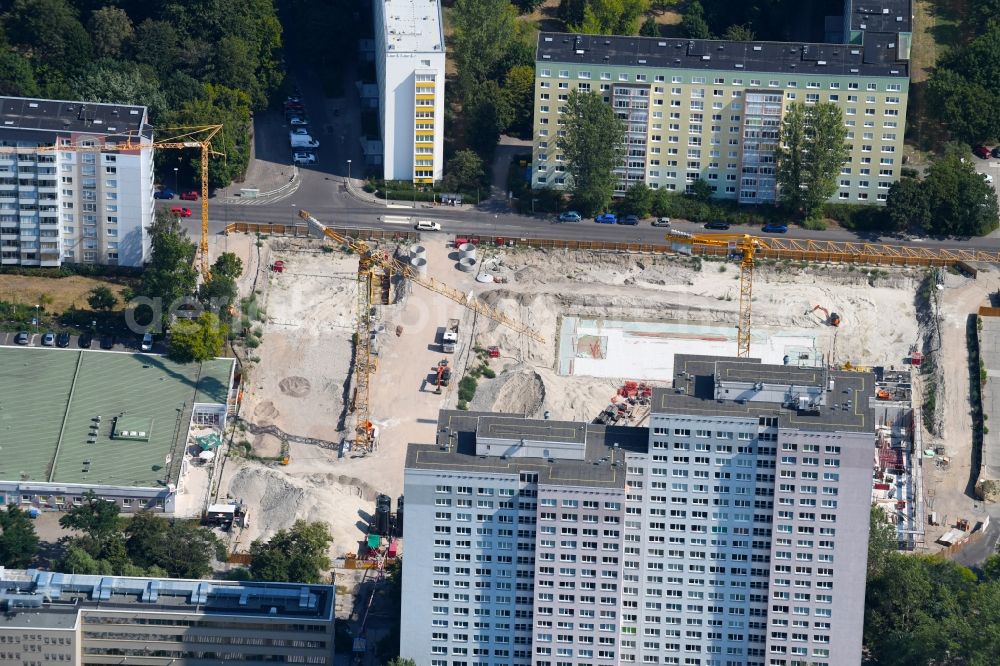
[427,225]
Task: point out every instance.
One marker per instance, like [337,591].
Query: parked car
[298,120]
[190,195]
[987,177]
[22,338]
[630,220]
[147,342]
[717,224]
[303,158]
[771,228]
[107,341]
[62,340]
[163,194]
[427,225]
[293,99]
[661,222]
[85,340]
[570,216]
[181,211]
[995,152]
[300,131]
[606,218]
[981,152]
[49,339]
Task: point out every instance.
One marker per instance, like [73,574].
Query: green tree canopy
[810,156]
[519,91]
[464,171]
[961,202]
[298,554]
[638,200]
[102,298]
[116,82]
[111,29]
[169,276]
[908,205]
[97,521]
[197,339]
[484,33]
[18,541]
[693,23]
[179,547]
[228,265]
[593,147]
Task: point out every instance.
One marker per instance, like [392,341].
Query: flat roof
[455,450]
[33,598]
[514,427]
[889,16]
[875,58]
[693,393]
[52,397]
[50,115]
[413,26]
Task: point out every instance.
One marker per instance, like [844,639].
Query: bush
[252,342]
[489,373]
[463,405]
[858,217]
[467,388]
[814,224]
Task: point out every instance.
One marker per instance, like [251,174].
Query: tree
[693,23]
[231,108]
[649,28]
[608,17]
[157,44]
[197,339]
[908,206]
[593,147]
[399,661]
[961,202]
[298,554]
[18,541]
[528,6]
[484,32]
[111,29]
[519,94]
[811,153]
[169,275]
[102,298]
[51,31]
[228,265]
[701,190]
[961,89]
[180,547]
[96,519]
[881,541]
[487,116]
[638,200]
[16,76]
[739,33]
[570,12]
[115,82]
[464,171]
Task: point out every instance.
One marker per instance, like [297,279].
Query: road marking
[395,219]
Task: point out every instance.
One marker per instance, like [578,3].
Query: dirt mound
[522,393]
[296,387]
[265,413]
[275,502]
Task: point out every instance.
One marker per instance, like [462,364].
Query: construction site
[363,341]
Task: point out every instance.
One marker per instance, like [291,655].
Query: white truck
[302,141]
[449,337]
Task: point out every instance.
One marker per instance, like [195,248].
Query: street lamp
[36,318]
[348,171]
[175,179]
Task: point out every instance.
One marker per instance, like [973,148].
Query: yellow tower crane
[747,249]
[178,137]
[375,270]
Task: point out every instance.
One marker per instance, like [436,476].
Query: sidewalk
[355,187]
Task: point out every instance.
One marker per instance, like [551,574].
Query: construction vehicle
[747,249]
[376,269]
[442,375]
[832,318]
[179,137]
[449,337]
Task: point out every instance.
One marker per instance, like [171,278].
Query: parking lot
[118,343]
[989,167]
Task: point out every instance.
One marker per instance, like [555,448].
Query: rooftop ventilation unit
[758,47]
[821,62]
[661,43]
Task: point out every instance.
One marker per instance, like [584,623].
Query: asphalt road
[323,193]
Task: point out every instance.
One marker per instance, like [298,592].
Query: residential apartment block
[731,532]
[69,205]
[712,110]
[410,68]
[78,620]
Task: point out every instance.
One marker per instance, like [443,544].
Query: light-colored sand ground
[298,385]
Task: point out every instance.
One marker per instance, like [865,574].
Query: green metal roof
[50,398]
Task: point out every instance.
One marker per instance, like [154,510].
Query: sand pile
[519,390]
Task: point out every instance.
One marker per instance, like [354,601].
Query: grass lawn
[65,292]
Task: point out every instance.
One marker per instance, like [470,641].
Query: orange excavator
[443,375]
[832,318]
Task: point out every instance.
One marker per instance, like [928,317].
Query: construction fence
[302,231]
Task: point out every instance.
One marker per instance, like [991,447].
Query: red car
[982,152]
[189,196]
[180,211]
